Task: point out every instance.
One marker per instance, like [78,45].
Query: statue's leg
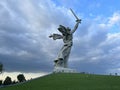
[59,60]
[60,54]
[63,56]
[59,63]
[55,62]
[67,56]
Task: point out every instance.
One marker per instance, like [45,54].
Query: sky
[25,26]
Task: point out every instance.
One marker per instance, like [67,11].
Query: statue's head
[68,30]
[64,30]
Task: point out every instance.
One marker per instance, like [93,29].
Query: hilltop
[70,81]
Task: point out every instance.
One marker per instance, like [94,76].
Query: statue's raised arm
[76,26]
[77,20]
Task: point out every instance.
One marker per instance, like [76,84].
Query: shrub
[1,67]
[0,82]
[7,81]
[21,78]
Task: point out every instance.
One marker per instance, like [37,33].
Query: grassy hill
[70,81]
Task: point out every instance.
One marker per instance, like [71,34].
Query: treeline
[1,67]
[8,80]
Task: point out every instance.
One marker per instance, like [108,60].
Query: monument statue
[67,36]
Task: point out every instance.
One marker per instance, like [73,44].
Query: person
[67,36]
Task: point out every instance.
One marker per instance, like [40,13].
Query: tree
[1,68]
[14,82]
[7,81]
[21,78]
[0,82]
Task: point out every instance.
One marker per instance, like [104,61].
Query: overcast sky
[26,24]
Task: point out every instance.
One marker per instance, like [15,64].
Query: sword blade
[74,14]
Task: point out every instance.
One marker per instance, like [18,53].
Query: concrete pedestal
[63,70]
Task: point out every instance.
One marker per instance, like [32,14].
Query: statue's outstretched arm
[76,26]
[56,36]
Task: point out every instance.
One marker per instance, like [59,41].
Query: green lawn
[70,81]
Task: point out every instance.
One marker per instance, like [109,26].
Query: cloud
[24,30]
[115,19]
[96,50]
[110,22]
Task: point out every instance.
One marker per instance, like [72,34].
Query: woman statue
[67,36]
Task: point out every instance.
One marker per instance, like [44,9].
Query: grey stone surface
[64,70]
[67,36]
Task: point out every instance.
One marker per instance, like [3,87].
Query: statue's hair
[64,30]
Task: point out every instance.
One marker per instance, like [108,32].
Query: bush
[7,81]
[1,67]
[14,82]
[21,78]
[0,82]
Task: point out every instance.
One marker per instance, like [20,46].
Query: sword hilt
[78,20]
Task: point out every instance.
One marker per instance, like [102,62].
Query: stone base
[63,70]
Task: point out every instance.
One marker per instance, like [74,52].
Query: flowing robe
[67,36]
[64,53]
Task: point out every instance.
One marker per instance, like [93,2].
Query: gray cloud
[95,50]
[24,30]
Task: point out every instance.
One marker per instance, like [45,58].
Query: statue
[67,36]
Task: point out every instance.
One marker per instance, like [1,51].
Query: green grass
[70,81]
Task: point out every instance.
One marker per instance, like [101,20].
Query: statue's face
[68,30]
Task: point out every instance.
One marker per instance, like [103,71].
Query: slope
[70,81]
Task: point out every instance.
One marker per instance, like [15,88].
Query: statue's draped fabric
[67,36]
[64,53]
